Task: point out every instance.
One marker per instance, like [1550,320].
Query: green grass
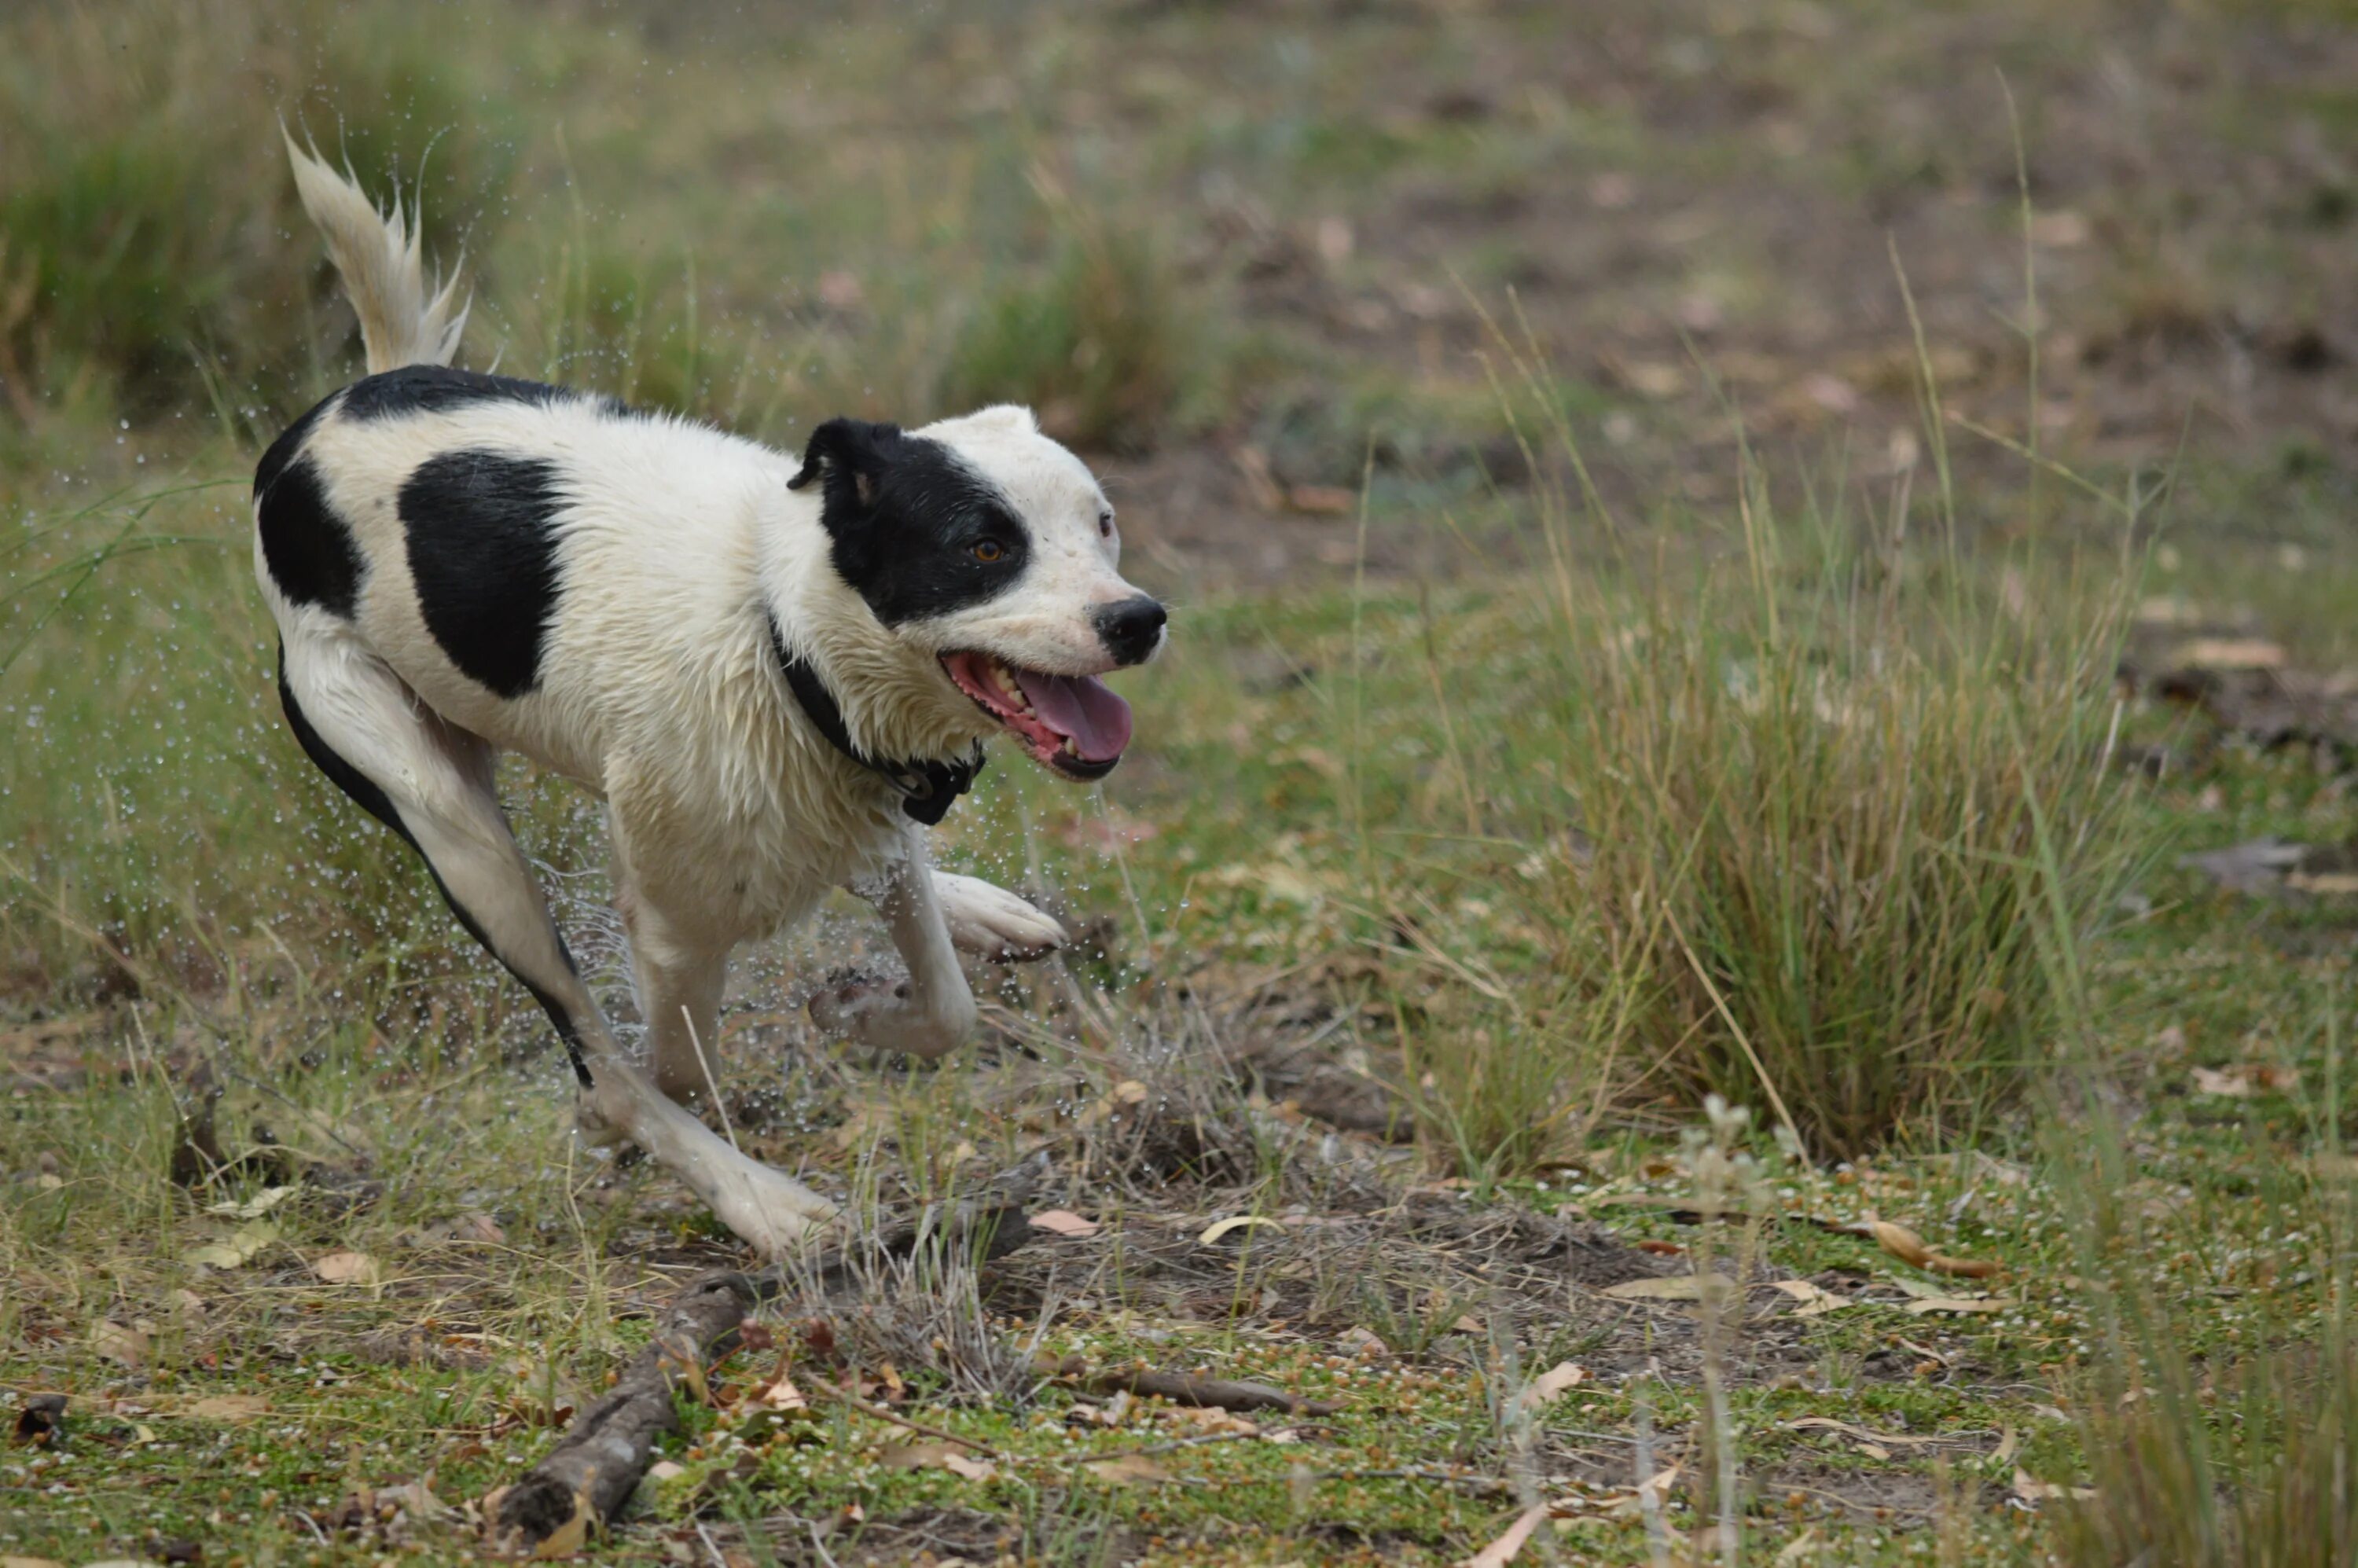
[1548,814]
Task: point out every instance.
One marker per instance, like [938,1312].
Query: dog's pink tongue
[1082,706]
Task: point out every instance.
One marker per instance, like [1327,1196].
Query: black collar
[926,788]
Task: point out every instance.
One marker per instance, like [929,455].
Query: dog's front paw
[993,923]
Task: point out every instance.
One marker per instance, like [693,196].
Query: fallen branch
[1217,1393]
[592,1471]
[584,1481]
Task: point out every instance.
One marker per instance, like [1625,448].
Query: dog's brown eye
[990,550]
[1104,525]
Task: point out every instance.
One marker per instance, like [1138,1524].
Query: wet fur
[461,563]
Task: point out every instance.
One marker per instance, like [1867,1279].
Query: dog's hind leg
[432,783]
[677,973]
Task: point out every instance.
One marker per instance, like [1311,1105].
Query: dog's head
[983,545]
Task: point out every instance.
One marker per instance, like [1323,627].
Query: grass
[1525,813]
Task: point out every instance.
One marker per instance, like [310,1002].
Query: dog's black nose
[1132,629]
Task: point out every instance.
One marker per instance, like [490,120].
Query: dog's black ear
[851,456]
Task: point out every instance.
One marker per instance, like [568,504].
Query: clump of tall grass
[1793,805]
[1103,338]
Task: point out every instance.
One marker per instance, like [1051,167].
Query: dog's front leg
[932,1012]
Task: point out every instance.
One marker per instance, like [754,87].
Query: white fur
[377,256]
[729,814]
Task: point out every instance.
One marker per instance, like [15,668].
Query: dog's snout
[1132,629]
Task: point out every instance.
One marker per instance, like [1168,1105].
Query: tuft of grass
[1103,339]
[1778,812]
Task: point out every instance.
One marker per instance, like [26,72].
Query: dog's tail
[377,254]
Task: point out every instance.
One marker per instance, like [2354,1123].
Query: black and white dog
[775,674]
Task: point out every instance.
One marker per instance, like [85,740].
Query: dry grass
[1796,806]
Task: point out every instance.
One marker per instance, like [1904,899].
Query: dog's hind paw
[846,998]
[993,923]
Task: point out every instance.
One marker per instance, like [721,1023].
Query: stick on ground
[1220,1394]
[599,1462]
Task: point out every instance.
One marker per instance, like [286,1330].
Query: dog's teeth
[1071,749]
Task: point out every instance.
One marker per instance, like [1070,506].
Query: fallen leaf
[1208,1418]
[415,1498]
[1503,1550]
[2007,1444]
[1828,1423]
[1873,1450]
[1919,1308]
[230,1407]
[1360,1342]
[1219,1228]
[972,1469]
[1633,1501]
[1128,1470]
[664,1470]
[255,1207]
[346,1269]
[10,1562]
[1551,1384]
[786,1402]
[1963,1267]
[2032,1490]
[119,1343]
[2256,867]
[1803,1545]
[2228,1085]
[236,1250]
[1815,1302]
[1674,1288]
[917,1455]
[1899,1242]
[1064,1222]
[2231,654]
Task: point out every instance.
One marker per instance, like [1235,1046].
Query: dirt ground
[2190,176]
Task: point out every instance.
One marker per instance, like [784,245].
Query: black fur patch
[284,450]
[906,516]
[378,804]
[307,548]
[481,532]
[437,389]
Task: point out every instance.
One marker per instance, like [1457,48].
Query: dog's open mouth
[1073,724]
